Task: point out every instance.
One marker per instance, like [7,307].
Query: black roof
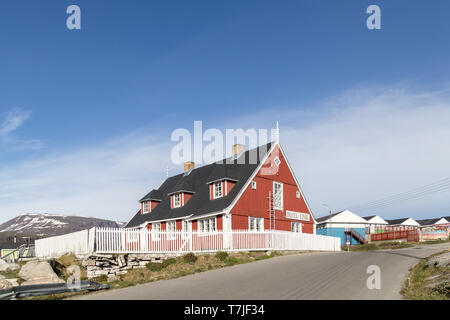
[196,182]
[369,217]
[428,222]
[152,195]
[397,221]
[328,217]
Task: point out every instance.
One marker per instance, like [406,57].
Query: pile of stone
[114,265]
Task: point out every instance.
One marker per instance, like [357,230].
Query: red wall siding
[255,203]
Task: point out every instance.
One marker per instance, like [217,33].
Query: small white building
[432,222]
[375,224]
[404,223]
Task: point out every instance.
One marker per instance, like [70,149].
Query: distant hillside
[44,225]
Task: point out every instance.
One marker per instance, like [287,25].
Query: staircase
[351,233]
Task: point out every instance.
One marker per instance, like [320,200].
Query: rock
[121,261]
[88,262]
[5,284]
[5,267]
[1,277]
[113,277]
[442,260]
[38,272]
[14,282]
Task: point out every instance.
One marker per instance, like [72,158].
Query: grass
[380,246]
[415,286]
[167,269]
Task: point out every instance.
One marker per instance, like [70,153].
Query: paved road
[303,276]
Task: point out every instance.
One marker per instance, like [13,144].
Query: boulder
[4,284]
[5,266]
[441,260]
[38,272]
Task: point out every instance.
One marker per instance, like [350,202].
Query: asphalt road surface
[340,275]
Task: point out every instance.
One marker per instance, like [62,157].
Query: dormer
[220,188]
[179,198]
[150,201]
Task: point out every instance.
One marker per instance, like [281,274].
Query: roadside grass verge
[419,284]
[391,245]
[168,269]
[380,246]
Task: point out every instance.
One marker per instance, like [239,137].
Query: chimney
[238,149]
[189,165]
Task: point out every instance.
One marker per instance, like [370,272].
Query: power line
[416,193]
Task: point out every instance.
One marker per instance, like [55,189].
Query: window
[171,228]
[255,224]
[186,228]
[145,207]
[207,225]
[218,190]
[177,200]
[277,161]
[297,194]
[296,227]
[254,185]
[277,195]
[156,231]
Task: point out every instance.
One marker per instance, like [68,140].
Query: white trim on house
[204,233]
[215,184]
[156,234]
[247,183]
[280,205]
[296,182]
[258,224]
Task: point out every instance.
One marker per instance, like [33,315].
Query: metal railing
[23,251]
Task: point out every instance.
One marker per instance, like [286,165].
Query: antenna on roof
[167,170]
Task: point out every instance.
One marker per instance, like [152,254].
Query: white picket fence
[121,241]
[145,241]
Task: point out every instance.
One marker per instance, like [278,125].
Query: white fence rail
[121,241]
[145,241]
[78,243]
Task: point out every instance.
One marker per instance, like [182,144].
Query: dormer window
[218,192]
[177,200]
[145,207]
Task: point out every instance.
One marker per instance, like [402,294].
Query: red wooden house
[253,190]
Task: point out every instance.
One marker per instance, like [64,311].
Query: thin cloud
[12,121]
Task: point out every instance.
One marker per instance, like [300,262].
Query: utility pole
[329,218]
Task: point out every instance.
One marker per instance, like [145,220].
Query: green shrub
[154,266]
[189,258]
[232,260]
[221,255]
[168,262]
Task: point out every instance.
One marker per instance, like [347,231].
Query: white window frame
[171,228]
[215,188]
[254,185]
[298,194]
[296,227]
[175,205]
[278,206]
[186,228]
[256,224]
[156,231]
[201,226]
[144,205]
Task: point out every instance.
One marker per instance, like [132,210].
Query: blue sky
[137,70]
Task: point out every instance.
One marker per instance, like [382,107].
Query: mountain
[44,225]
